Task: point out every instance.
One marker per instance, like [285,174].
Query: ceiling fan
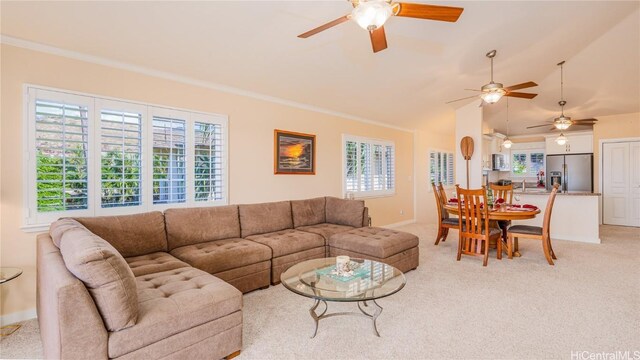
[372,14]
[563,122]
[492,92]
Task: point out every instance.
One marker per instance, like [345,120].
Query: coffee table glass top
[9,273]
[318,279]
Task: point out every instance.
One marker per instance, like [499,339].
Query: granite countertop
[545,192]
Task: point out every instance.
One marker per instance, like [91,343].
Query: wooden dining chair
[475,233]
[502,192]
[444,221]
[535,232]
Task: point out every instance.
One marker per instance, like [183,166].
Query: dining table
[501,214]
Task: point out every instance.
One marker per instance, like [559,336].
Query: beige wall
[437,135]
[251,125]
[612,127]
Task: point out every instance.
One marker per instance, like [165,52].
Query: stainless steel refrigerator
[572,172]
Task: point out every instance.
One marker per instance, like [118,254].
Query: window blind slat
[61,156]
[120,158]
[209,162]
[169,160]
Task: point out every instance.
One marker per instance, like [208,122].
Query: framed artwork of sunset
[295,153]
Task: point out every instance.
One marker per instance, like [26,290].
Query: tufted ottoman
[396,248]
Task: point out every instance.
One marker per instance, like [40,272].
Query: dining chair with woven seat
[535,232]
[445,222]
[475,233]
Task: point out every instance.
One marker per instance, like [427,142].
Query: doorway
[621,183]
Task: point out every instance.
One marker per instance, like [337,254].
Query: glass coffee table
[367,282]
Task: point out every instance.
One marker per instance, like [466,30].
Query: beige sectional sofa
[169,285]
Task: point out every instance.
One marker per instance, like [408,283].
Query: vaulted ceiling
[253,46]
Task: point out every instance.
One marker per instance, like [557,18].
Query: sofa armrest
[70,325]
[366,219]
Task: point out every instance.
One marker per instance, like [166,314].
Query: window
[441,167]
[91,156]
[527,163]
[369,166]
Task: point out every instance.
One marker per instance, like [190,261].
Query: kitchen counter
[546,192]
[574,216]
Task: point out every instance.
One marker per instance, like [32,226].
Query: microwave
[499,162]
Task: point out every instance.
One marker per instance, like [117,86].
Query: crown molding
[30,45]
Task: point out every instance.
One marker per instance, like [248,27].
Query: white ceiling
[253,46]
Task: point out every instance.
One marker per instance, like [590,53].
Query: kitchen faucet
[524,185]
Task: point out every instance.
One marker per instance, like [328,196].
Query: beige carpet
[521,308]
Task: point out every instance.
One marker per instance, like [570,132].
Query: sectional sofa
[169,285]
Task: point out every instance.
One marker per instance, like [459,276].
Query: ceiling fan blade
[429,12]
[583,124]
[378,39]
[521,95]
[326,26]
[521,86]
[464,98]
[585,120]
[536,126]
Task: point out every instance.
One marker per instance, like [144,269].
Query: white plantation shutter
[89,156]
[169,160]
[61,152]
[351,166]
[120,158]
[390,167]
[209,177]
[369,166]
[441,167]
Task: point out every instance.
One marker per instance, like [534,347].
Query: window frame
[527,153]
[33,220]
[450,177]
[372,142]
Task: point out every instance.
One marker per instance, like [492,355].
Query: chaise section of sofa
[271,224]
[83,306]
[208,238]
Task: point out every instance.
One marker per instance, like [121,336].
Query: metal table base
[377,310]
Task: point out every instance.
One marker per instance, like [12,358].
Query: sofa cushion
[325,230]
[265,218]
[308,212]
[174,301]
[288,241]
[222,255]
[106,275]
[153,263]
[59,227]
[199,225]
[131,235]
[345,212]
[373,241]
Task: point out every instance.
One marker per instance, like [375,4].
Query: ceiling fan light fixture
[507,143]
[371,15]
[493,96]
[561,140]
[562,123]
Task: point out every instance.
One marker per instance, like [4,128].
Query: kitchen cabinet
[486,152]
[576,144]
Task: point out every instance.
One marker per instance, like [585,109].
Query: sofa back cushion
[58,228]
[345,212]
[265,218]
[106,275]
[198,225]
[131,235]
[308,212]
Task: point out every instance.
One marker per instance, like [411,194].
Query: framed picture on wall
[294,153]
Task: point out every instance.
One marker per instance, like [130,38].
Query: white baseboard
[595,240]
[15,317]
[398,224]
